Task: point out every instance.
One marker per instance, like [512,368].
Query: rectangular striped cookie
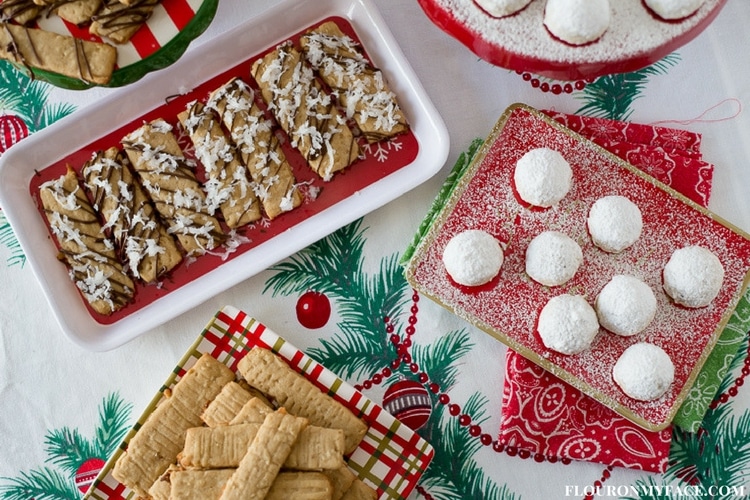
[258,147]
[198,484]
[264,458]
[262,369]
[147,250]
[161,438]
[173,187]
[226,405]
[224,446]
[360,87]
[306,113]
[300,486]
[228,187]
[88,253]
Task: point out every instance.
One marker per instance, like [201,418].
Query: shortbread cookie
[224,446]
[360,491]
[305,112]
[264,457]
[226,405]
[119,22]
[170,181]
[88,253]
[261,368]
[78,12]
[161,438]
[146,249]
[258,147]
[228,186]
[20,11]
[300,486]
[203,484]
[161,489]
[360,87]
[341,479]
[63,54]
[253,412]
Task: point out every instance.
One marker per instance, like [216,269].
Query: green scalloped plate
[164,39]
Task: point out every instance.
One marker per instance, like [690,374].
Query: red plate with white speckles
[507,307]
[635,38]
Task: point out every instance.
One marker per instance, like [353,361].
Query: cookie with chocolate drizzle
[228,186]
[258,146]
[360,87]
[143,244]
[119,21]
[305,112]
[170,181]
[20,11]
[88,253]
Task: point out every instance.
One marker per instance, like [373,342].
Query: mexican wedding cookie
[542,177]
[614,223]
[673,10]
[644,371]
[567,324]
[693,276]
[473,257]
[502,8]
[553,258]
[626,305]
[577,22]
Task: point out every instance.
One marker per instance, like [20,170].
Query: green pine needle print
[612,96]
[67,449]
[9,240]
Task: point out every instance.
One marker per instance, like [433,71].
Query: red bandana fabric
[547,416]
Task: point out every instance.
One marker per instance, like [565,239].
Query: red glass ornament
[408,401]
[12,130]
[87,472]
[313,310]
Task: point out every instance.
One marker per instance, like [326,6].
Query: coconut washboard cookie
[89,255]
[305,112]
[258,146]
[358,85]
[170,181]
[146,249]
[228,187]
[35,48]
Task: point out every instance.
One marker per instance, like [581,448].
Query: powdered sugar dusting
[509,308]
[632,31]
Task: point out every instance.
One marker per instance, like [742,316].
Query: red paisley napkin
[547,416]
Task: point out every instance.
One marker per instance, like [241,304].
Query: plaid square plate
[390,458]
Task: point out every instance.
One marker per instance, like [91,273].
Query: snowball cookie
[673,9]
[614,223]
[501,8]
[552,258]
[577,22]
[693,276]
[626,305]
[473,257]
[542,177]
[567,324]
[644,371]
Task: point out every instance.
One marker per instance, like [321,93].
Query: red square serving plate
[391,458]
[507,308]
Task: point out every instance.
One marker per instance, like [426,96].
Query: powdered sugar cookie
[644,371]
[614,223]
[501,8]
[693,276]
[567,324]
[626,305]
[542,177]
[473,257]
[553,258]
[672,10]
[577,22]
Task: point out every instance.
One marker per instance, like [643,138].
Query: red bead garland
[464,420]
[555,88]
